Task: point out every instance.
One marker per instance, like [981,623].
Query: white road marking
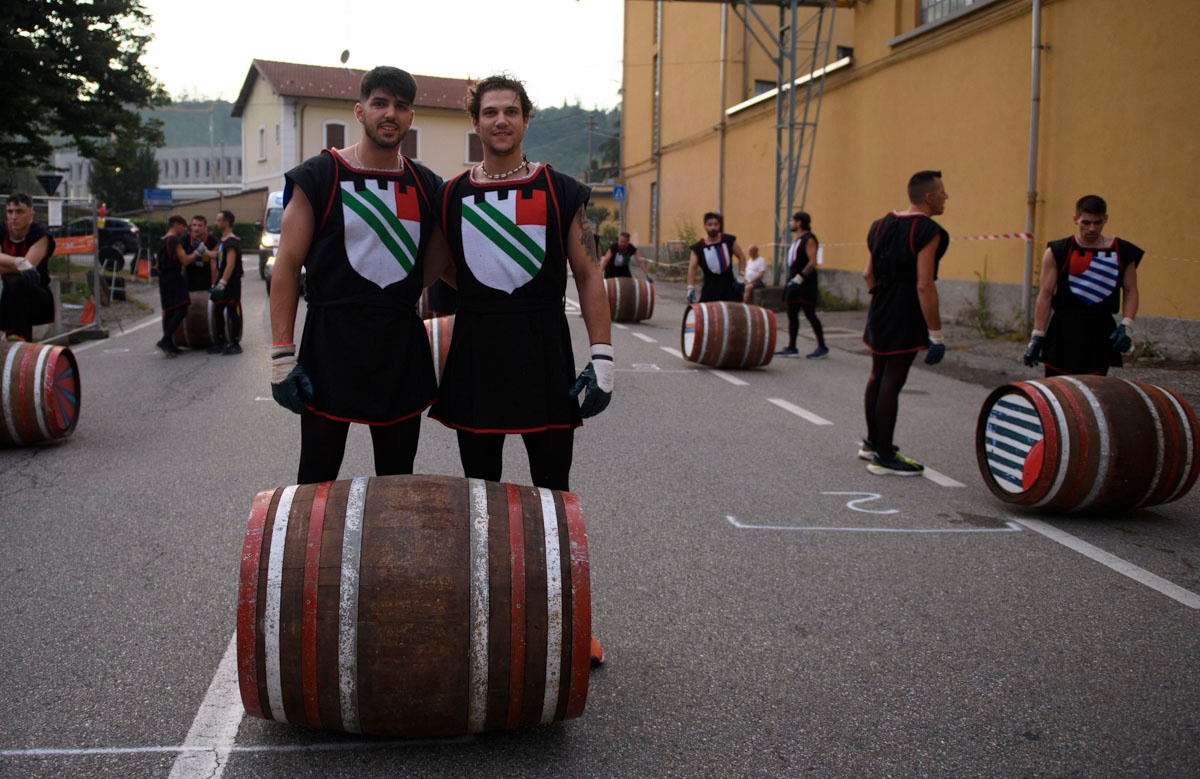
[807,415]
[729,377]
[940,478]
[1140,575]
[645,338]
[1009,527]
[336,746]
[867,497]
[77,348]
[206,749]
[673,351]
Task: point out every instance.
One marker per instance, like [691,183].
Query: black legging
[234,313]
[171,320]
[549,451]
[323,445]
[888,374]
[810,312]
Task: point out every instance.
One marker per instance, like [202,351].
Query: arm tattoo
[588,239]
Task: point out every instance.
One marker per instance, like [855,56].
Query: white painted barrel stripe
[6,395]
[477,668]
[1104,444]
[271,615]
[687,342]
[1064,443]
[554,606]
[765,354]
[745,313]
[356,504]
[725,317]
[39,391]
[1189,445]
[1159,442]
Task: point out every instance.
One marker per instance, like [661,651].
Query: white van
[269,243]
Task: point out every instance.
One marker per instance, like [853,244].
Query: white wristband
[602,364]
[935,337]
[1128,324]
[1038,334]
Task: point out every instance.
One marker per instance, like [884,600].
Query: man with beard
[714,256]
[200,273]
[360,221]
[1086,278]
[514,227]
[617,261]
[801,291]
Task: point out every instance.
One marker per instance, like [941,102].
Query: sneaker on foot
[817,353]
[896,465]
[233,349]
[216,349]
[866,450]
[597,653]
[789,351]
[167,348]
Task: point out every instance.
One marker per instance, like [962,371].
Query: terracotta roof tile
[320,81]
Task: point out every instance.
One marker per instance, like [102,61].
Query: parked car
[117,232]
[269,242]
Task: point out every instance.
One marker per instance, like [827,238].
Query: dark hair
[624,235]
[394,81]
[227,216]
[714,215]
[804,219]
[499,81]
[921,184]
[19,197]
[201,217]
[1091,204]
[176,219]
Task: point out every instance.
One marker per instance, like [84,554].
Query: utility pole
[591,125]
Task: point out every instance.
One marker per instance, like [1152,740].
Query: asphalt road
[768,608]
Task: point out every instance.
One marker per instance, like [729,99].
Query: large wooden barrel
[439,329]
[414,606]
[629,299]
[728,335]
[196,332]
[1087,443]
[39,392]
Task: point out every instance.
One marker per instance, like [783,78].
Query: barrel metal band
[1105,447]
[271,616]
[554,606]
[39,395]
[1181,484]
[480,607]
[1159,442]
[348,605]
[1064,443]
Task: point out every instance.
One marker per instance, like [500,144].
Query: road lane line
[1009,527]
[77,348]
[719,374]
[940,478]
[1140,575]
[206,749]
[803,414]
[645,338]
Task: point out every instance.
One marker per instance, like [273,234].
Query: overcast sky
[564,50]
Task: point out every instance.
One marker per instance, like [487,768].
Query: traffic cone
[89,313]
[143,268]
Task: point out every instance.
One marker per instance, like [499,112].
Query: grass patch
[832,302]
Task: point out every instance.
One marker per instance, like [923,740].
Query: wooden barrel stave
[629,299]
[1087,443]
[196,332]
[39,393]
[458,626]
[728,335]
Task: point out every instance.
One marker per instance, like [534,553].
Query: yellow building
[941,84]
[290,112]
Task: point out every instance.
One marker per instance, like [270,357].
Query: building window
[262,143]
[936,10]
[761,86]
[409,146]
[187,168]
[474,148]
[335,135]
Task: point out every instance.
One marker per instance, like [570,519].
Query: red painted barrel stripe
[581,606]
[1186,480]
[247,618]
[308,625]
[517,641]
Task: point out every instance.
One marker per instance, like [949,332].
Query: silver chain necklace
[506,174]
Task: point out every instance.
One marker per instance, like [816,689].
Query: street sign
[49,182]
[156,198]
[619,192]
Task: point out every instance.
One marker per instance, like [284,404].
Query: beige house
[941,84]
[290,112]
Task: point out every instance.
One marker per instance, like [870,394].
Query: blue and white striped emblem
[1098,281]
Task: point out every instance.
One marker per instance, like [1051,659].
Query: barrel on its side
[414,606]
[1087,443]
[728,335]
[196,332]
[39,393]
[629,299]
[439,329]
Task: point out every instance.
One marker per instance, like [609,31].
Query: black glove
[1121,340]
[597,380]
[32,277]
[1033,352]
[935,354]
[290,385]
[217,292]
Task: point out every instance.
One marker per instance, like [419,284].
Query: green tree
[123,169]
[73,73]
